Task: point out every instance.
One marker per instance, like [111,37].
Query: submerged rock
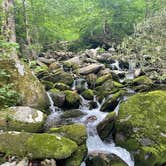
[36,146]
[25,83]
[22,119]
[140,127]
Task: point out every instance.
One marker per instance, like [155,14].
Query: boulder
[58,76]
[72,99]
[111,103]
[102,159]
[61,86]
[105,127]
[53,66]
[74,113]
[142,80]
[46,61]
[88,94]
[58,97]
[93,68]
[140,127]
[25,83]
[22,119]
[102,79]
[36,146]
[75,132]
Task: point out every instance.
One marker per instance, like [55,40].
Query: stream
[91,119]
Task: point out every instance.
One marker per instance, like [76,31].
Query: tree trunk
[8,24]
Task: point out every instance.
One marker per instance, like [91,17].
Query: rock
[46,61]
[91,119]
[23,162]
[117,84]
[72,63]
[72,99]
[72,114]
[48,162]
[101,159]
[58,97]
[111,103]
[92,105]
[140,127]
[142,80]
[105,127]
[54,66]
[22,119]
[91,79]
[75,132]
[77,157]
[102,79]
[137,72]
[61,86]
[25,83]
[36,146]
[93,68]
[106,71]
[59,76]
[47,84]
[88,94]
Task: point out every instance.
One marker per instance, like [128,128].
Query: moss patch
[88,94]
[102,79]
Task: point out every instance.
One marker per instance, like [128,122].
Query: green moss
[141,121]
[72,99]
[49,146]
[75,132]
[61,86]
[72,114]
[88,94]
[77,157]
[102,79]
[111,103]
[47,84]
[54,90]
[117,84]
[31,90]
[142,80]
[70,65]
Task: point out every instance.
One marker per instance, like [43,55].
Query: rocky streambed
[102,111]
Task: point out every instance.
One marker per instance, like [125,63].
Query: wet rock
[140,127]
[75,132]
[47,84]
[72,114]
[93,68]
[72,99]
[105,127]
[91,119]
[91,79]
[25,83]
[102,79]
[36,146]
[101,159]
[48,162]
[22,119]
[77,157]
[88,94]
[111,103]
[58,97]
[92,105]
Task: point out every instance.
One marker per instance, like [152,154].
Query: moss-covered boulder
[140,127]
[142,80]
[117,84]
[59,75]
[36,146]
[72,113]
[101,159]
[88,94]
[102,79]
[111,103]
[58,97]
[77,157]
[22,119]
[105,127]
[61,86]
[72,99]
[75,132]
[25,83]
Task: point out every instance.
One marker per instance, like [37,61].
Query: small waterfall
[94,143]
[115,66]
[55,113]
[79,84]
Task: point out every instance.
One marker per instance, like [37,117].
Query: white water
[94,143]
[79,82]
[116,65]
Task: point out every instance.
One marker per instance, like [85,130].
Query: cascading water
[94,143]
